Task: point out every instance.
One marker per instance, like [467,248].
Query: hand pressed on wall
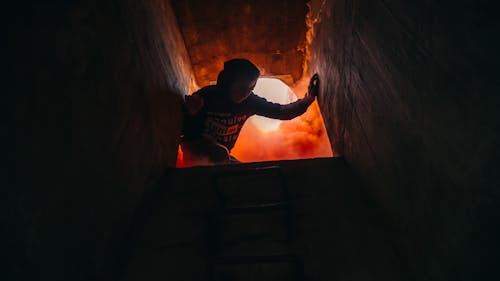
[313,88]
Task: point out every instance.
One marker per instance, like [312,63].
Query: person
[215,114]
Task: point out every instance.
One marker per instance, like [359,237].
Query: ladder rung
[255,208]
[255,259]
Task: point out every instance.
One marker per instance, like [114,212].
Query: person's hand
[313,88]
[193,103]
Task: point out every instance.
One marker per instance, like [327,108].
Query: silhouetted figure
[214,115]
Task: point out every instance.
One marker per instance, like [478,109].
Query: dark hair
[235,69]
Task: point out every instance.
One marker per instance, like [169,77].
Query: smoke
[302,137]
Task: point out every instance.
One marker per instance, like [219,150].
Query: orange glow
[180,161]
[302,137]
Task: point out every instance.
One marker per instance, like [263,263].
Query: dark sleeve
[192,125]
[273,110]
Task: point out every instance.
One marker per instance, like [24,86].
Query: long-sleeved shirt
[222,120]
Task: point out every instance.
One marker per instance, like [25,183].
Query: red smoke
[302,137]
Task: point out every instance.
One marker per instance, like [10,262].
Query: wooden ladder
[251,233]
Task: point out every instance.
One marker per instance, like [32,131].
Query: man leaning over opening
[215,114]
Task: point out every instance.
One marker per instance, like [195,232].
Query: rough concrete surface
[93,118]
[410,99]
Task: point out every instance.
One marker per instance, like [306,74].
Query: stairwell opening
[264,139]
[279,46]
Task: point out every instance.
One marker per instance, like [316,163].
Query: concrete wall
[92,97]
[410,98]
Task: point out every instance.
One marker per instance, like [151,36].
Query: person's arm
[291,110]
[281,111]
[193,116]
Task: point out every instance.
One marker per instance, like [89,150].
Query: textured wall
[410,97]
[93,117]
[269,33]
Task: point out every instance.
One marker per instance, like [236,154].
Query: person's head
[238,79]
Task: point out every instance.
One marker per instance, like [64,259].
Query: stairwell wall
[93,102]
[409,97]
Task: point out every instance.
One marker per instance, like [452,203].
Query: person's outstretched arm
[291,110]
